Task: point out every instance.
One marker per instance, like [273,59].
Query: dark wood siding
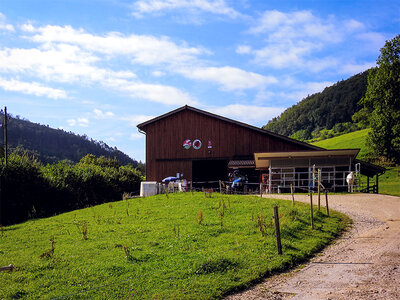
[165,154]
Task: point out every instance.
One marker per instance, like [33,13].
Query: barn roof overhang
[263,160]
[142,126]
[369,169]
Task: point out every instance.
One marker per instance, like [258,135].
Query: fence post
[292,192]
[319,189]
[220,189]
[311,209]
[277,230]
[261,190]
[326,201]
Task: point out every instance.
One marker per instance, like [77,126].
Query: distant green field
[185,246]
[355,139]
[389,182]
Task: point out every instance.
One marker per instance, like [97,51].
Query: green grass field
[356,139]
[389,183]
[182,247]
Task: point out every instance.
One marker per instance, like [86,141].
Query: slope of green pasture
[389,182]
[185,246]
[356,139]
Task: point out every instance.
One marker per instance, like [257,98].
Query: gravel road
[364,263]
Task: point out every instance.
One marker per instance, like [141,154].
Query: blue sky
[101,67]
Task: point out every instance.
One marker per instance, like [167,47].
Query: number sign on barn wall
[196,144]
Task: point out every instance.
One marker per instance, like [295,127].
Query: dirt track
[363,264]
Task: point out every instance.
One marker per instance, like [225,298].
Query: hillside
[335,104]
[51,145]
[355,139]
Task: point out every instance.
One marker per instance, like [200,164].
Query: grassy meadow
[389,183]
[185,246]
[356,139]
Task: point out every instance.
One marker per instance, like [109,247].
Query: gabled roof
[142,126]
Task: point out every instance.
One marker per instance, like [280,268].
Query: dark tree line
[50,145]
[335,104]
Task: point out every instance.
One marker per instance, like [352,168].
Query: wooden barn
[203,147]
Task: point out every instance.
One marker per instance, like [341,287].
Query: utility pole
[2,187]
[5,134]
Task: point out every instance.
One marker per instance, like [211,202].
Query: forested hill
[51,145]
[335,104]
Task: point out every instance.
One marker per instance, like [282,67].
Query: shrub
[29,186]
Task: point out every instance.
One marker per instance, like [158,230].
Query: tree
[382,102]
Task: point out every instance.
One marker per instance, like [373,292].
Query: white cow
[350,182]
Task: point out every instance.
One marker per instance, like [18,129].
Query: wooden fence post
[277,230]
[319,189]
[311,209]
[220,189]
[326,201]
[261,190]
[291,191]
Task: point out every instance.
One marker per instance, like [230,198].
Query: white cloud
[356,68]
[71,122]
[60,62]
[243,49]
[292,38]
[71,56]
[143,49]
[293,90]
[102,115]
[82,122]
[61,58]
[373,40]
[136,136]
[282,55]
[353,25]
[297,40]
[230,78]
[164,94]
[295,25]
[158,73]
[32,88]
[249,114]
[4,25]
[160,93]
[27,27]
[137,119]
[218,7]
